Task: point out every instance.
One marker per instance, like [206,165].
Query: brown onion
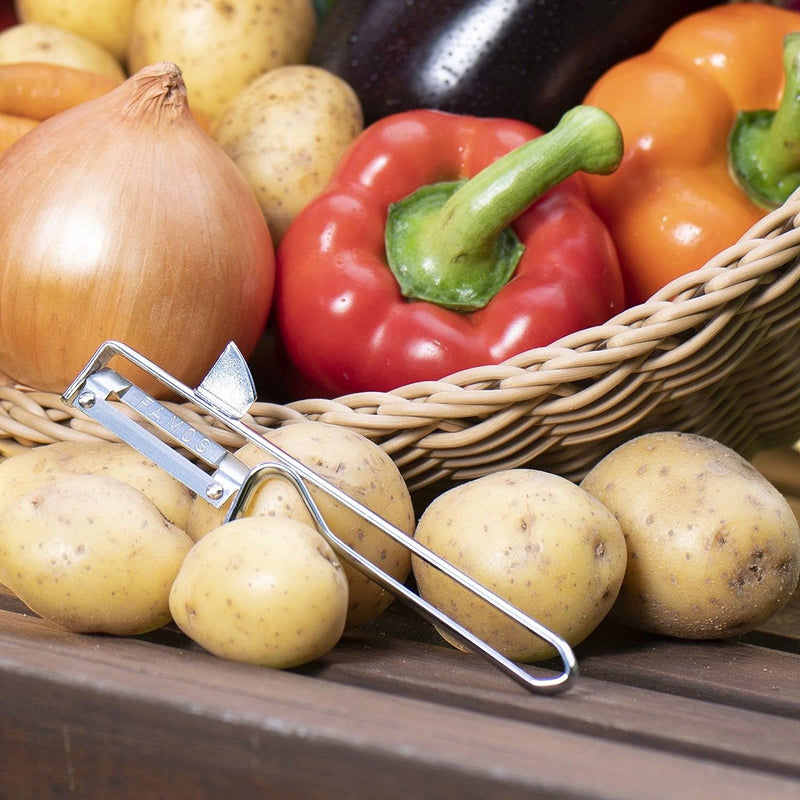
[122,219]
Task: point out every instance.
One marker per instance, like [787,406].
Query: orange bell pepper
[675,200]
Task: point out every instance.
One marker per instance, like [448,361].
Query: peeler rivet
[86,399]
[214,491]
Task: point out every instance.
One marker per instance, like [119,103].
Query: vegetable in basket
[105,22]
[122,219]
[8,15]
[220,47]
[37,43]
[404,271]
[676,199]
[527,59]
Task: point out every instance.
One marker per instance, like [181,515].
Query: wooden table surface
[393,712]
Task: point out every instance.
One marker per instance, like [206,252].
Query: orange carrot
[14,127]
[39,90]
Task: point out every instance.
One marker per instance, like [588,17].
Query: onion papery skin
[120,218]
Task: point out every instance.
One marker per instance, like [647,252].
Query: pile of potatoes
[671,533]
[97,538]
[284,123]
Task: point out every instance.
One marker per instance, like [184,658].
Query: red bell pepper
[404,271]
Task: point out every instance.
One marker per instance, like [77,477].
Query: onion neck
[157,89]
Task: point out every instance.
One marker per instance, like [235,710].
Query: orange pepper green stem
[450,243]
[676,201]
[765,145]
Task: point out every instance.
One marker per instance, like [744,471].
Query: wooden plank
[732,672]
[746,676]
[725,672]
[89,715]
[393,664]
[602,709]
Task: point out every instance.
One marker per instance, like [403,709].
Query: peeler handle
[551,685]
[226,394]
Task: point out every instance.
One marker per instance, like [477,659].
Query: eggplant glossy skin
[527,59]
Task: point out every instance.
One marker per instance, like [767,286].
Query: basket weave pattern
[715,352]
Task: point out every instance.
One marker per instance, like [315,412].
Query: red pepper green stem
[765,145]
[451,244]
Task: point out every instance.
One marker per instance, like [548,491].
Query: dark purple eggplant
[528,59]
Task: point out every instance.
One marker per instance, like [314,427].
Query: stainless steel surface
[216,475]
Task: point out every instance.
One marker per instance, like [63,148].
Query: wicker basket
[715,352]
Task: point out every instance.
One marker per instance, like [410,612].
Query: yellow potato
[220,47]
[263,591]
[105,22]
[356,465]
[286,131]
[714,549]
[91,554]
[33,41]
[26,471]
[536,540]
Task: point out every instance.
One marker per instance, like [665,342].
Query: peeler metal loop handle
[268,470]
[212,472]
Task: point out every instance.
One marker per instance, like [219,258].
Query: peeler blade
[228,385]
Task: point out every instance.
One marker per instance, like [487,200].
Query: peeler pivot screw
[214,491]
[86,399]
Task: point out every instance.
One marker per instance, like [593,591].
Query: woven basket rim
[437,421]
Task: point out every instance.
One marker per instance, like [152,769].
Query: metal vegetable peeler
[214,473]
